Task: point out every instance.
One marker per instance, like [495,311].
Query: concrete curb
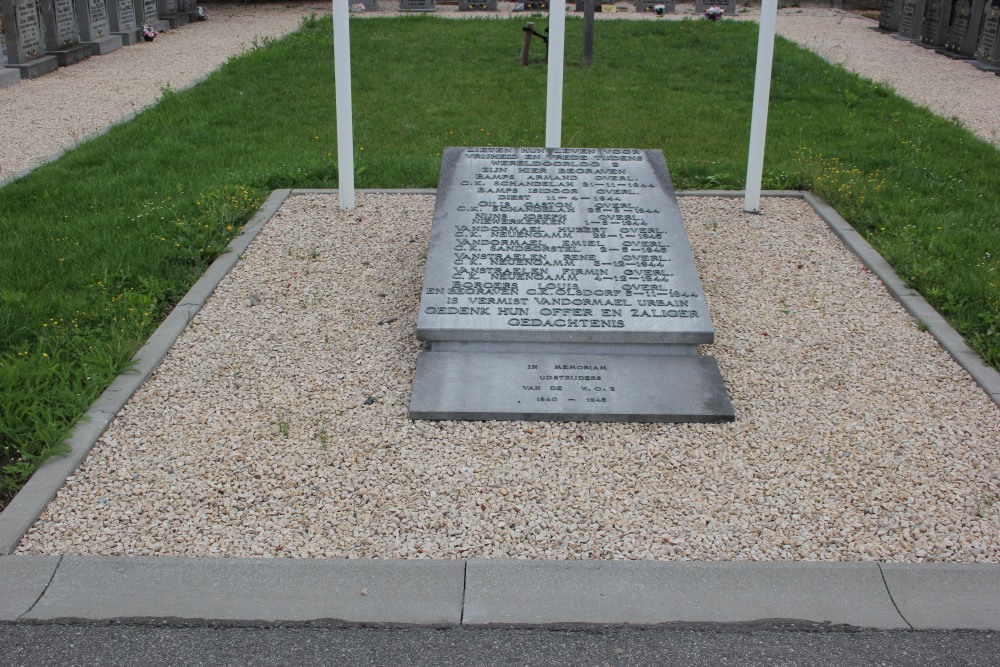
[476,592]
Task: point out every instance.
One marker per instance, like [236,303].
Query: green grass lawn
[98,246]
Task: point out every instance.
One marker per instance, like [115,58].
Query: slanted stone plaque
[560,284]
[150,14]
[540,5]
[728,5]
[169,12]
[62,32]
[911,19]
[937,20]
[988,53]
[890,16]
[963,35]
[23,39]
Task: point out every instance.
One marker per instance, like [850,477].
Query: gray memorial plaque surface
[911,19]
[937,20]
[963,35]
[728,5]
[417,5]
[560,284]
[67,31]
[24,41]
[988,53]
[890,15]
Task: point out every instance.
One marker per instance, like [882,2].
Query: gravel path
[277,426]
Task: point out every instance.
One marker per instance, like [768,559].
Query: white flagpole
[553,100]
[345,129]
[761,98]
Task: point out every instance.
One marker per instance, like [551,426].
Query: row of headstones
[37,36]
[959,28]
[543,5]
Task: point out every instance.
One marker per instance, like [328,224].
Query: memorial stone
[417,6]
[8,75]
[95,26]
[963,36]
[477,5]
[147,9]
[937,20]
[560,284]
[728,5]
[988,53]
[168,12]
[669,6]
[62,32]
[121,17]
[890,16]
[911,19]
[541,5]
[24,41]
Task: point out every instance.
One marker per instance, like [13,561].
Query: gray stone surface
[729,5]
[477,5]
[392,592]
[568,387]
[891,14]
[23,40]
[911,19]
[966,22]
[937,20]
[988,51]
[9,76]
[564,245]
[639,592]
[946,596]
[417,5]
[22,581]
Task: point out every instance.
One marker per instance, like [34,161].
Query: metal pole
[345,129]
[588,33]
[761,98]
[553,102]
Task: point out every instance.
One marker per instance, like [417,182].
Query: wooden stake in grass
[529,30]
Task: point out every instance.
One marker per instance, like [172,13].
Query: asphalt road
[40,645]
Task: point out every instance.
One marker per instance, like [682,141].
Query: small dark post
[588,33]
[529,29]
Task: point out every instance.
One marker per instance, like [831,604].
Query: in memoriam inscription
[560,284]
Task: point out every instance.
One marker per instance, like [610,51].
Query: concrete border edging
[476,592]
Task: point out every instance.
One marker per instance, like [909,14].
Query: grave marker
[8,76]
[62,32]
[988,52]
[560,285]
[95,26]
[417,6]
[937,20]
[23,39]
[536,5]
[477,5]
[963,35]
[729,6]
[150,15]
[121,17]
[911,19]
[669,6]
[890,16]
[167,10]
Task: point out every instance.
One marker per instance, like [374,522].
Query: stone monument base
[128,38]
[569,387]
[36,68]
[71,54]
[8,77]
[178,19]
[105,45]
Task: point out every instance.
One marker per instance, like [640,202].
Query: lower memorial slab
[569,387]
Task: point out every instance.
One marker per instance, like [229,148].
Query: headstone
[560,285]
[121,17]
[911,19]
[371,5]
[168,12]
[670,7]
[24,41]
[95,26]
[988,52]
[890,16]
[540,5]
[150,15]
[417,6]
[477,5]
[937,20]
[963,36]
[8,75]
[729,6]
[62,32]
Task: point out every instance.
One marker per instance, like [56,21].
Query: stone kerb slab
[95,26]
[62,32]
[988,52]
[23,39]
[417,5]
[122,21]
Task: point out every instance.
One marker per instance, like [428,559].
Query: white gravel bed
[277,425]
[43,116]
